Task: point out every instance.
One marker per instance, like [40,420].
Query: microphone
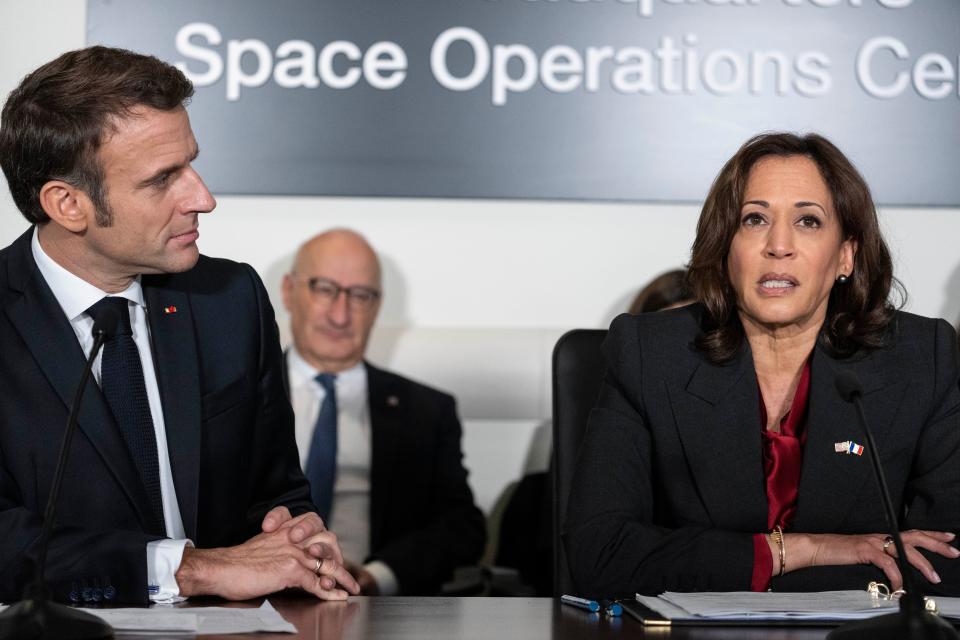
[912,620]
[35,617]
[848,386]
[104,327]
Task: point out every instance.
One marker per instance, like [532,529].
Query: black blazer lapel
[177,365]
[387,404]
[718,421]
[38,318]
[830,481]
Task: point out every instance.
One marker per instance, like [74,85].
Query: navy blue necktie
[121,380]
[322,459]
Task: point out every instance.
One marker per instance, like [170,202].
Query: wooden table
[477,619]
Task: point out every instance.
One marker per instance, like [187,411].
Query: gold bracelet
[777,535]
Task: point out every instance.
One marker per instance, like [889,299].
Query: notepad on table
[747,607]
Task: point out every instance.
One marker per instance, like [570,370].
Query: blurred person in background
[381,451]
[668,290]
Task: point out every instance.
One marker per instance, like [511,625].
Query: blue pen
[611,608]
[581,603]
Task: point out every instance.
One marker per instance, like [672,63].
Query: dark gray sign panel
[595,99]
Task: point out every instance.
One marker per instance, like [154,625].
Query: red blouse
[782,458]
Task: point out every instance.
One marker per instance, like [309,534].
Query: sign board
[592,99]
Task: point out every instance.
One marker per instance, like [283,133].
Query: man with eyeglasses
[382,452]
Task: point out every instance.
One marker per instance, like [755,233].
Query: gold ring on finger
[316,569]
[886,543]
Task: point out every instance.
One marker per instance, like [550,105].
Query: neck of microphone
[104,328]
[850,390]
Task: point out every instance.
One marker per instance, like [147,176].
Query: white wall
[477,291]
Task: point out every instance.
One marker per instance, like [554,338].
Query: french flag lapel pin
[169,310]
[848,447]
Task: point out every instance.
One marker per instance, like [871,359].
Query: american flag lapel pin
[170,310]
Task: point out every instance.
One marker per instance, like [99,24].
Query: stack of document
[749,607]
[167,621]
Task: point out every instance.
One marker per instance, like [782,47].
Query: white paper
[196,620]
[948,607]
[748,605]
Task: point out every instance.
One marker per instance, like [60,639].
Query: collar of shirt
[74,294]
[351,383]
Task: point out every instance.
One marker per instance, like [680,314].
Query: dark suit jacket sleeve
[932,493]
[96,544]
[454,533]
[275,477]
[613,546]
[99,543]
[78,558]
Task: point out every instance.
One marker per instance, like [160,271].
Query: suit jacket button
[109,593]
[74,593]
[87,594]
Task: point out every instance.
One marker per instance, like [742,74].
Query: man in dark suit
[382,452]
[182,478]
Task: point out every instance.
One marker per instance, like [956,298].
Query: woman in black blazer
[720,456]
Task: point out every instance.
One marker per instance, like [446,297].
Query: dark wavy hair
[858,312]
[666,290]
[54,122]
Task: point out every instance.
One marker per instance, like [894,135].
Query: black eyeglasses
[327,291]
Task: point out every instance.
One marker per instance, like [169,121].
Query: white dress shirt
[350,516]
[75,295]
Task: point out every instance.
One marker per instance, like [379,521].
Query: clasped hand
[289,553]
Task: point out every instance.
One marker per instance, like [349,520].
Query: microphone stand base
[35,619]
[897,626]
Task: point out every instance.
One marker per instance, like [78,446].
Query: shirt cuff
[163,560]
[762,563]
[384,577]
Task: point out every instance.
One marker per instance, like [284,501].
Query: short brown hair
[53,124]
[858,312]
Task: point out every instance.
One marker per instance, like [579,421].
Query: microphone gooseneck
[912,621]
[35,616]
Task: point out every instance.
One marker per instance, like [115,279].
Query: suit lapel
[386,410]
[177,365]
[718,421]
[831,482]
[45,329]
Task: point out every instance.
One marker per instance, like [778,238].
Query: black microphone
[913,620]
[35,617]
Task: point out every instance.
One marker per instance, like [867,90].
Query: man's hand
[299,528]
[267,563]
[304,530]
[368,584]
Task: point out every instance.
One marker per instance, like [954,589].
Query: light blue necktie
[322,460]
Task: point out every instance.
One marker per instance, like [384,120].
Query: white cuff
[163,560]
[384,577]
